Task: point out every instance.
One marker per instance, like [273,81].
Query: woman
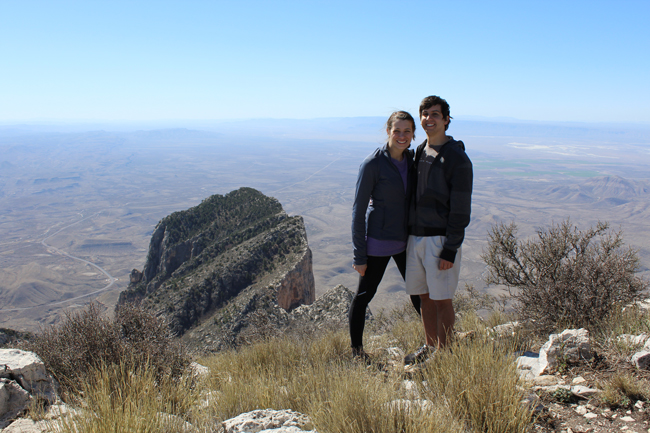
[383,186]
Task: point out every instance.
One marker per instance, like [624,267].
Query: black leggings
[366,291]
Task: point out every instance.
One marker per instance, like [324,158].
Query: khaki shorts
[422,268]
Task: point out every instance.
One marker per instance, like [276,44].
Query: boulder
[267,421]
[28,370]
[13,401]
[641,360]
[571,346]
[135,277]
[528,366]
[546,380]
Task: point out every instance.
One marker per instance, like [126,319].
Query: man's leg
[429,312]
[446,319]
[438,319]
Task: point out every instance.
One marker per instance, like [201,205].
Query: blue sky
[195,60]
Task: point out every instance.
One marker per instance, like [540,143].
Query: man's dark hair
[430,101]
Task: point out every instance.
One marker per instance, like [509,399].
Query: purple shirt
[383,248]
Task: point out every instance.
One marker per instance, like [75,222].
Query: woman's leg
[367,288]
[400,261]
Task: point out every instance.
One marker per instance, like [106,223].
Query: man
[439,214]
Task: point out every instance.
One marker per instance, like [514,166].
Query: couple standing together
[418,206]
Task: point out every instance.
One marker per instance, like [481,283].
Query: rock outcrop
[569,347]
[253,315]
[269,420]
[222,260]
[22,377]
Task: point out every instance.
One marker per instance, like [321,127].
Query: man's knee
[444,303]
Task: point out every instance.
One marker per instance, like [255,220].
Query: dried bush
[565,277]
[148,339]
[86,340]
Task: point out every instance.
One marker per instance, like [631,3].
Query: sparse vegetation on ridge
[87,340]
[315,375]
[474,387]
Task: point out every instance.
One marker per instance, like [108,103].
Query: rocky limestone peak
[230,251]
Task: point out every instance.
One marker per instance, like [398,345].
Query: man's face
[432,120]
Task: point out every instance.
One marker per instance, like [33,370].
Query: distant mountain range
[359,128]
[610,190]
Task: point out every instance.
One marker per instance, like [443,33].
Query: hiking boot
[418,356]
[358,354]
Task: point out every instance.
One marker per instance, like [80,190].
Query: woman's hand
[361,269]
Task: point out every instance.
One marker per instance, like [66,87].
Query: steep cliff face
[229,250]
[296,287]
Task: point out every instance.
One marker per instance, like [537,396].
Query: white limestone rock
[506,329]
[199,370]
[26,425]
[579,380]
[13,401]
[268,421]
[644,305]
[641,360]
[528,366]
[584,391]
[633,340]
[572,346]
[28,370]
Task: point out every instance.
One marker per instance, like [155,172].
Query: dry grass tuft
[622,390]
[121,399]
[480,383]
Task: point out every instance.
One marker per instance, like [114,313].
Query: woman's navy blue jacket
[380,181]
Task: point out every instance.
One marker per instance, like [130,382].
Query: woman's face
[400,135]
